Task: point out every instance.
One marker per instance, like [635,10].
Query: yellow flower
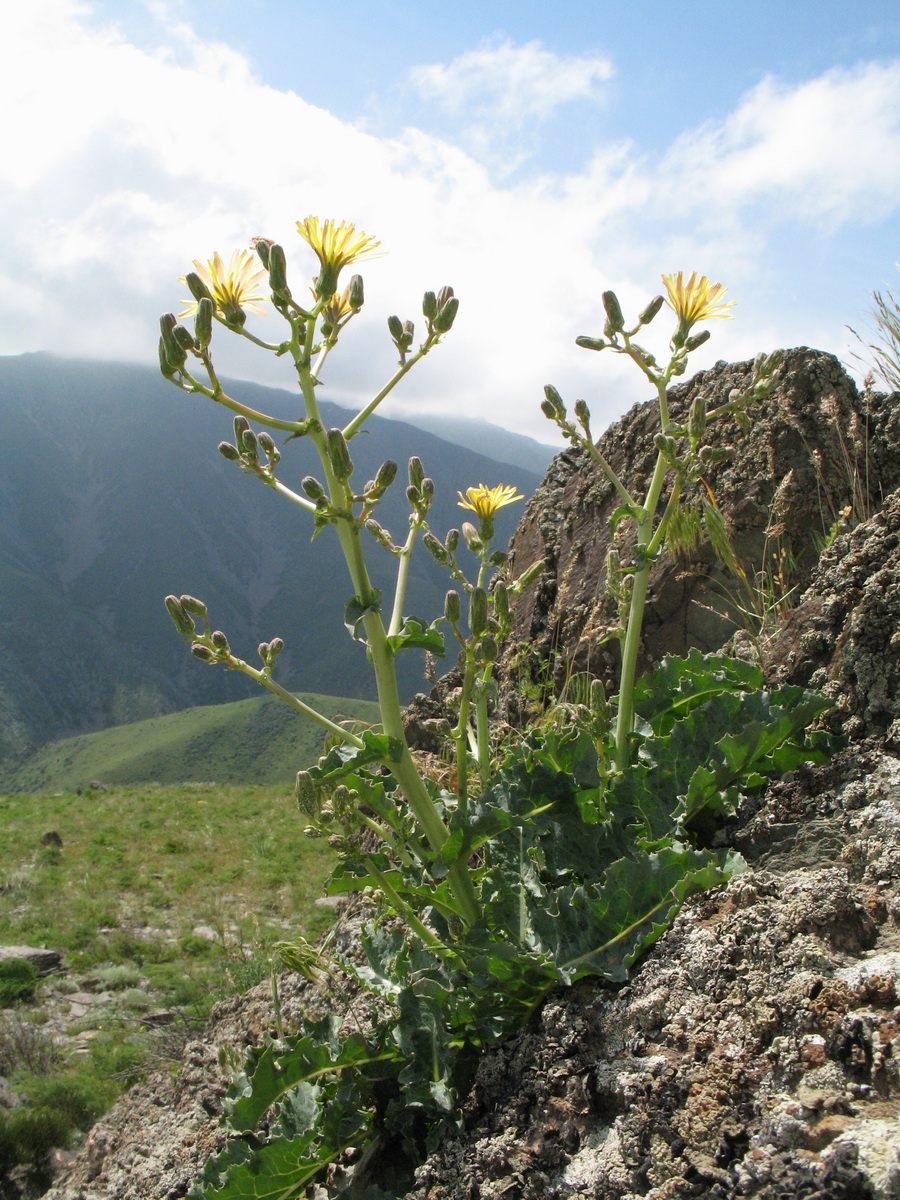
[233,288]
[485,501]
[336,246]
[696,300]
[339,306]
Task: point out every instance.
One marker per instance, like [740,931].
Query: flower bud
[267,442]
[263,650]
[443,296]
[197,287]
[275,647]
[554,400]
[313,488]
[528,576]
[308,795]
[446,315]
[697,418]
[697,339]
[413,496]
[184,338]
[470,534]
[416,471]
[174,354]
[203,653]
[240,425]
[478,611]
[409,331]
[434,548]
[452,540]
[429,306]
[380,534]
[715,453]
[487,649]
[203,322]
[262,246]
[427,489]
[583,414]
[395,328]
[278,272]
[355,293]
[667,446]
[386,475]
[501,600]
[220,641]
[613,312]
[167,370]
[336,445]
[452,608]
[590,343]
[183,622]
[249,443]
[194,606]
[651,310]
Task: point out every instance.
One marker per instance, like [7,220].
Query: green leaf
[414,634]
[357,609]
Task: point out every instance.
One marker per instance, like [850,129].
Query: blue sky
[531,156]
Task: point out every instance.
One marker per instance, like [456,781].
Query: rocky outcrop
[815,448]
[755,1050]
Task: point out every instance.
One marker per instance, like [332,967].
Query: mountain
[522,452]
[259,740]
[112,495]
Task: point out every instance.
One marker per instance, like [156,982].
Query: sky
[531,156]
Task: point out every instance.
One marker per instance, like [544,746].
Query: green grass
[155,857]
[144,875]
[260,740]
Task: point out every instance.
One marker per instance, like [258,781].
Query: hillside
[112,495]
[259,740]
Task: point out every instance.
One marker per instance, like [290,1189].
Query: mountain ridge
[112,495]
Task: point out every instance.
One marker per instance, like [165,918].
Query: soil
[755,1050]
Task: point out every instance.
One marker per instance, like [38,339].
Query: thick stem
[644,549]
[403,769]
[402,581]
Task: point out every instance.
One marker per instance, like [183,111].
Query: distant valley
[112,495]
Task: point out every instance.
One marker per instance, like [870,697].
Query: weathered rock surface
[756,1048]
[43,961]
[814,441]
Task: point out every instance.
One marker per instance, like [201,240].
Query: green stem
[289,494]
[266,681]
[460,734]
[645,547]
[216,393]
[403,768]
[483,729]
[402,581]
[366,412]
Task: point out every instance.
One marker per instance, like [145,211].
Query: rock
[44,961]
[755,1050]
[814,441]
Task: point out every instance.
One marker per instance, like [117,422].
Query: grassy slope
[259,740]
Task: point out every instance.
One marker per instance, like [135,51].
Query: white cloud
[501,94]
[828,148]
[154,159]
[514,83]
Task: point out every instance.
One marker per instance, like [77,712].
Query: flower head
[233,288]
[485,501]
[336,246]
[696,300]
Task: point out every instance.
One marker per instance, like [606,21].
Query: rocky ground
[756,1048]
